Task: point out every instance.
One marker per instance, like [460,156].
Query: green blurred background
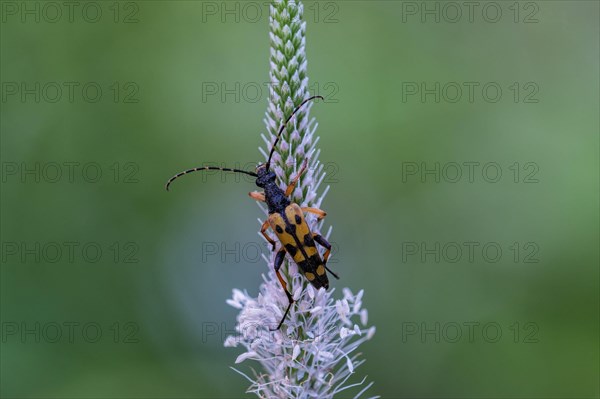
[156,294]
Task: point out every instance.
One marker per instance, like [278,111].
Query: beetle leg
[263,231]
[257,196]
[277,263]
[320,213]
[294,181]
[319,239]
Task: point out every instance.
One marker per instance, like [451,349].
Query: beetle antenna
[185,172]
[285,124]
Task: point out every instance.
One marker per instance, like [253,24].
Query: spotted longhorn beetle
[287,220]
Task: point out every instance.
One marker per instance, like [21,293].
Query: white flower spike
[313,355]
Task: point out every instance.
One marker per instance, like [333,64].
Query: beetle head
[264,176]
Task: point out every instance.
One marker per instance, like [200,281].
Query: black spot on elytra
[304,265]
[298,219]
[291,249]
[290,228]
[278,229]
[308,241]
[316,259]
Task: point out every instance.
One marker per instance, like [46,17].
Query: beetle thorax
[275,198]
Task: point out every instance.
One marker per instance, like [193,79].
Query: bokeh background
[178,83]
